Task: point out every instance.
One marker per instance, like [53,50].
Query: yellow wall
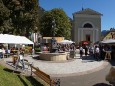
[58,39]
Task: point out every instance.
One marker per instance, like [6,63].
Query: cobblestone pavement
[75,72]
[93,79]
[96,78]
[65,68]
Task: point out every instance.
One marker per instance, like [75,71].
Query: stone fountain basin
[47,56]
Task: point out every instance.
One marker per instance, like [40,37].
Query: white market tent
[109,41]
[12,39]
[66,42]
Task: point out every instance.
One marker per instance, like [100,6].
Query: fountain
[53,55]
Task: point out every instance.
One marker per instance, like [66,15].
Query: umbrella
[66,42]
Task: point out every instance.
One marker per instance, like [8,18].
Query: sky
[105,7]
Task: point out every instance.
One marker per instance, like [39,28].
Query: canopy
[12,39]
[108,41]
[66,42]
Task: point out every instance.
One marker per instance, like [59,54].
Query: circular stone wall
[53,56]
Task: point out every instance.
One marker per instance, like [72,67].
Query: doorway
[88,37]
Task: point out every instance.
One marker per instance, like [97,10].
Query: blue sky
[105,7]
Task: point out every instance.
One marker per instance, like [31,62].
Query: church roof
[88,11]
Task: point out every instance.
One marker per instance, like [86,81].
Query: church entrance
[88,37]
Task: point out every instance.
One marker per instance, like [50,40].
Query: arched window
[87,25]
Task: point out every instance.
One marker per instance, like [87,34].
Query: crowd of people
[61,47]
[17,55]
[99,52]
[9,51]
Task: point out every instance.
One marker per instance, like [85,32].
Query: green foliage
[4,11]
[4,18]
[8,78]
[63,25]
[19,16]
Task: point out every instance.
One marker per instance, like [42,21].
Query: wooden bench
[44,76]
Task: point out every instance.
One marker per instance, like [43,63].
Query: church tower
[86,26]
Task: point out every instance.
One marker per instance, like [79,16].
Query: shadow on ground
[112,62]
[36,57]
[102,84]
[11,71]
[88,59]
[32,80]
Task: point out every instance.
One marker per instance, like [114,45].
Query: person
[113,52]
[75,52]
[1,55]
[81,51]
[33,51]
[91,50]
[3,52]
[21,57]
[108,53]
[21,60]
[86,50]
[7,52]
[102,52]
[97,53]
[45,48]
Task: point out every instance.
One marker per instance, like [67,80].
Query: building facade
[86,26]
[110,34]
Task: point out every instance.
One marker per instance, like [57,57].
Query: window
[87,25]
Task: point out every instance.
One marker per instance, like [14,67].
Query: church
[86,26]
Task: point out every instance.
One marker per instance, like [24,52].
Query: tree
[5,24]
[22,16]
[63,25]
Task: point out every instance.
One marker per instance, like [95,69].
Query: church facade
[86,26]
